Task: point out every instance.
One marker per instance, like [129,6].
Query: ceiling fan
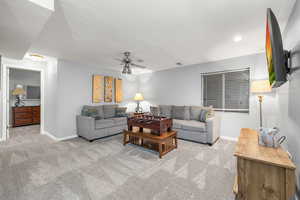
[127,62]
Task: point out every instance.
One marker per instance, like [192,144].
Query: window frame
[224,91]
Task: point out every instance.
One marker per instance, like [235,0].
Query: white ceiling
[20,23]
[159,32]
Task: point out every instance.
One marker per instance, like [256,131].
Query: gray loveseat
[186,121]
[101,121]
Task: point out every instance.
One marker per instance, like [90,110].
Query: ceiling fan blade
[139,66]
[119,59]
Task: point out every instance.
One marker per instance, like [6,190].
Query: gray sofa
[186,121]
[100,121]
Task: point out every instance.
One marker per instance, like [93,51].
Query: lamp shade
[138,97]
[260,86]
[18,91]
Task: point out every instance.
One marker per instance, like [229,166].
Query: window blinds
[227,91]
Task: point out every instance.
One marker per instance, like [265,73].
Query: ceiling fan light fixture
[126,69]
[129,71]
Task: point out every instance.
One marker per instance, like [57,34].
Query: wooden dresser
[262,172]
[26,115]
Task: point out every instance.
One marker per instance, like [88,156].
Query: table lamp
[260,87]
[17,92]
[138,97]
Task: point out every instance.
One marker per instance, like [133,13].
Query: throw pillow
[84,110]
[181,112]
[203,115]
[109,111]
[154,110]
[210,110]
[90,112]
[195,112]
[121,112]
[165,110]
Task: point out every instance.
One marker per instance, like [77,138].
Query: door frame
[5,98]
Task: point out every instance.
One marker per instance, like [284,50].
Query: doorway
[23,102]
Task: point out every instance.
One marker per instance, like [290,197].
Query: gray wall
[182,86]
[75,90]
[289,94]
[22,77]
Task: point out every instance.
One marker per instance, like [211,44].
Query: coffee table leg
[175,141]
[124,139]
[160,149]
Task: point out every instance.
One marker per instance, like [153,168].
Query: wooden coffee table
[162,143]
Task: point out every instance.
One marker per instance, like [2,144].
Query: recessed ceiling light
[237,38]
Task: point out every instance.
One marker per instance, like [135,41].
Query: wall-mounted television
[277,57]
[33,92]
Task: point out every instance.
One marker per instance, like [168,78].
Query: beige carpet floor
[34,167]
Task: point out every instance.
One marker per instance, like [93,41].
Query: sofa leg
[210,144]
[91,140]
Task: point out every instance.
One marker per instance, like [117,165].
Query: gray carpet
[33,167]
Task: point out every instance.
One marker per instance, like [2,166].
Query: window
[227,91]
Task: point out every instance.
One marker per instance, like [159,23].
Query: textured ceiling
[159,32]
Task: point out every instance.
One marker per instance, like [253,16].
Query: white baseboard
[49,135]
[2,138]
[229,138]
[59,139]
[68,137]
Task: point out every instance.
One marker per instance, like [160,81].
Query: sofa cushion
[154,110]
[100,111]
[177,123]
[195,112]
[90,111]
[193,125]
[181,112]
[165,110]
[121,112]
[104,123]
[109,111]
[119,120]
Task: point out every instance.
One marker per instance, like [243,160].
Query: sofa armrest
[85,125]
[213,129]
